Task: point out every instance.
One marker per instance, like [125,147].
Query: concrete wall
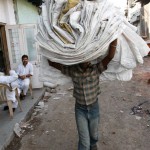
[147,18]
[27,13]
[7,12]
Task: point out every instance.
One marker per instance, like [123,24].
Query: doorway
[4,59]
[21,39]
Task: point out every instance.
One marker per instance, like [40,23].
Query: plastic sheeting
[71,33]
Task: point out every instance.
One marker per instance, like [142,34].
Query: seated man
[24,71]
[11,81]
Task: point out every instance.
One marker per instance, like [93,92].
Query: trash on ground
[35,113]
[24,125]
[37,110]
[138,109]
[121,111]
[138,117]
[40,105]
[135,110]
[56,98]
[30,127]
[47,132]
[47,95]
[17,130]
[53,91]
[63,94]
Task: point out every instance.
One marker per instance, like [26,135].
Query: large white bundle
[9,79]
[83,33]
[12,80]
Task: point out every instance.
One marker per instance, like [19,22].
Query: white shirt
[24,70]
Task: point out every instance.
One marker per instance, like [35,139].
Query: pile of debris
[141,111]
[138,110]
[40,108]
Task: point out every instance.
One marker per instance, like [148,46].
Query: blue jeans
[87,120]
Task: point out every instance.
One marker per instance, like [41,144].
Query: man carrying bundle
[74,33]
[85,77]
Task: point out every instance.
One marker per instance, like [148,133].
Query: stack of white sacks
[83,33]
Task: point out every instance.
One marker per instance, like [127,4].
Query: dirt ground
[54,128]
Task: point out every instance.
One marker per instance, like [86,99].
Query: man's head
[25,60]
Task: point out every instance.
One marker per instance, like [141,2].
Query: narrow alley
[121,128]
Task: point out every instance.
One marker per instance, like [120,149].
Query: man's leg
[11,96]
[26,83]
[81,115]
[15,104]
[93,126]
[20,88]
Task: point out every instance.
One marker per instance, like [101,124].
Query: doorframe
[23,47]
[5,48]
[7,27]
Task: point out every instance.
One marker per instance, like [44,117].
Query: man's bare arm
[111,53]
[64,69]
[55,65]
[28,75]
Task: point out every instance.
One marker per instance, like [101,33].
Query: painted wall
[144,23]
[7,12]
[147,18]
[27,13]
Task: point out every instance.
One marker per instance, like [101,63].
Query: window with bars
[15,45]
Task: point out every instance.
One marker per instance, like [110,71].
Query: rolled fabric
[72,32]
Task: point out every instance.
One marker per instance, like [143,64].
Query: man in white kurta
[24,71]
